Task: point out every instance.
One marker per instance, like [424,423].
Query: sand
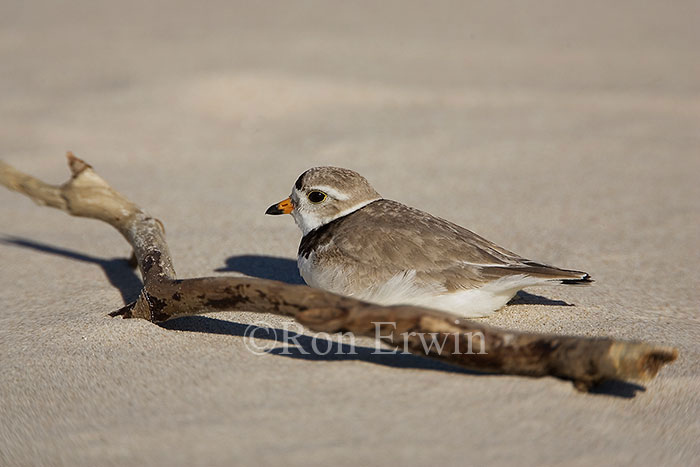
[565,131]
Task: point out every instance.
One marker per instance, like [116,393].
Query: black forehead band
[299,181]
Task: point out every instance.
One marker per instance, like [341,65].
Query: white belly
[402,289]
[474,303]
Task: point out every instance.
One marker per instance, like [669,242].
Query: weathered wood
[585,361]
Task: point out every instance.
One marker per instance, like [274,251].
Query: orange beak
[283,207]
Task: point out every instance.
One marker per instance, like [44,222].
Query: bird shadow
[117,270]
[526,298]
[264,267]
[617,388]
[124,278]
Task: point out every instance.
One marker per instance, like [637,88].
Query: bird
[359,244]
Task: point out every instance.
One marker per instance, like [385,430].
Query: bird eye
[316,196]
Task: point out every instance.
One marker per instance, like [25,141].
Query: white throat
[309,221]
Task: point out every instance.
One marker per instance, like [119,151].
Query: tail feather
[586,279]
[545,272]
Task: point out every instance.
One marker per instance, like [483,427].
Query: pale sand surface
[566,131]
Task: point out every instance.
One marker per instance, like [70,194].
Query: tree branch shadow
[117,270]
[304,347]
[317,349]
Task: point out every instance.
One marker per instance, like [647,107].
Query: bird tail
[549,274]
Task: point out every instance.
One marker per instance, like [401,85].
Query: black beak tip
[273,210]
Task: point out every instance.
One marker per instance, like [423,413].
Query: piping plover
[359,244]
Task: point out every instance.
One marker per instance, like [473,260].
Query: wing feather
[386,238]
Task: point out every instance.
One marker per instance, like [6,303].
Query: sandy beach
[567,132]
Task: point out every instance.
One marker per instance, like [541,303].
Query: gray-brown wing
[387,237]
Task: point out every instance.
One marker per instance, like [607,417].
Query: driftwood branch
[585,361]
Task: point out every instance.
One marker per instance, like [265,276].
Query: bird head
[322,194]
